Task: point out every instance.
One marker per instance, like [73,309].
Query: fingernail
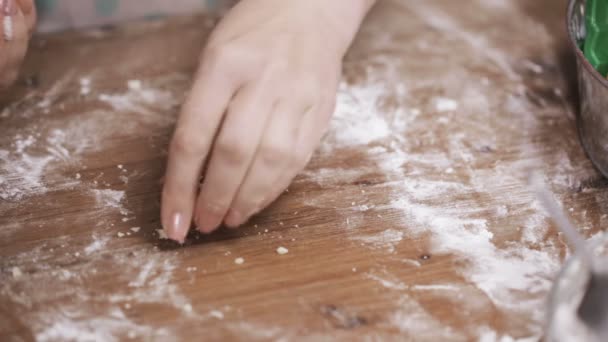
[27,7]
[8,7]
[8,10]
[233,219]
[196,220]
[208,222]
[175,228]
[209,217]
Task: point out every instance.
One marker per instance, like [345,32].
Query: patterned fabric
[57,15]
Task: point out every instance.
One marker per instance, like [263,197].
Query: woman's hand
[261,101]
[17,21]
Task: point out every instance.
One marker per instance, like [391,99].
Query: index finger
[198,121]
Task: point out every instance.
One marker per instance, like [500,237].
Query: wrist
[345,18]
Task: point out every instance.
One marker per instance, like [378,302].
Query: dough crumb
[239,261]
[85,81]
[134,84]
[282,250]
[131,335]
[216,314]
[16,272]
[120,234]
[187,307]
[443,104]
[135,229]
[161,234]
[78,176]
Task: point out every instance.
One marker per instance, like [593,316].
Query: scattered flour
[134,85]
[110,199]
[393,284]
[142,277]
[161,234]
[97,245]
[85,86]
[216,314]
[357,119]
[427,199]
[103,328]
[464,215]
[16,272]
[414,321]
[445,105]
[386,240]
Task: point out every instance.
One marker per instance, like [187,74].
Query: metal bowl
[563,324]
[593,92]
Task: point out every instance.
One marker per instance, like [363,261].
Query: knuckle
[276,66]
[275,153]
[231,150]
[309,90]
[211,205]
[246,206]
[184,143]
[218,54]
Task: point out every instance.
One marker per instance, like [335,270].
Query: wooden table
[412,222]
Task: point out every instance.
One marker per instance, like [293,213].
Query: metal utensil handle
[575,240]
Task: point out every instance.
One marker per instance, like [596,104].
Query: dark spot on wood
[363,182]
[341,318]
[486,149]
[32,81]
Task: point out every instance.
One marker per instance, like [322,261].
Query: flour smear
[51,153]
[47,154]
[445,182]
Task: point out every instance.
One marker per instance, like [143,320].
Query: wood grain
[375,229]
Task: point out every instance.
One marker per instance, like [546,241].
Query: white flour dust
[141,277]
[446,183]
[386,240]
[440,206]
[23,166]
[53,152]
[46,154]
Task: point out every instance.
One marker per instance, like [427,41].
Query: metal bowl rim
[579,54]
